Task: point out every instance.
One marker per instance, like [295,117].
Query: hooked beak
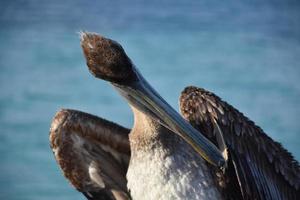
[140,94]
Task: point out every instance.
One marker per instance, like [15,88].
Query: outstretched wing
[264,169]
[93,154]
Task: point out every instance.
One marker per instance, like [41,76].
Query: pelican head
[107,60]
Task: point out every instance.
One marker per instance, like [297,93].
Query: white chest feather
[155,174]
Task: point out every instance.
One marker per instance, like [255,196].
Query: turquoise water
[248,53]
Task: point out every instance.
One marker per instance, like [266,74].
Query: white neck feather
[167,170]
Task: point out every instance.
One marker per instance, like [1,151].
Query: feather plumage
[262,167]
[93,154]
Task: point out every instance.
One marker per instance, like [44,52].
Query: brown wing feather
[93,154]
[264,169]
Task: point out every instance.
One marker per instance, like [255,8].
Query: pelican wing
[93,154]
[261,166]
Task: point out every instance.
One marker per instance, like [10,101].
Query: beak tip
[222,164]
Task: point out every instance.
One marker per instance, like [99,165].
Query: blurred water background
[247,52]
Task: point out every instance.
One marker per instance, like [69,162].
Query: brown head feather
[106,59]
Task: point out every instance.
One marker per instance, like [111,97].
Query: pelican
[166,155]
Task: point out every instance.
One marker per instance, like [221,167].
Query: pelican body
[166,155]
[160,166]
